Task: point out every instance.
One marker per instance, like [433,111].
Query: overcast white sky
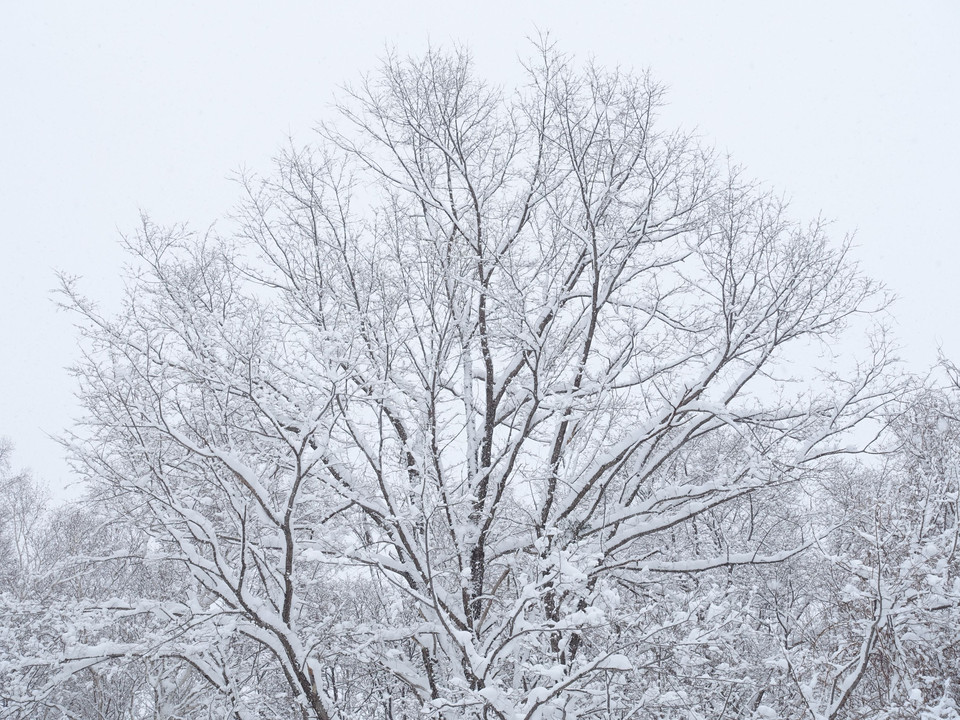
[850,108]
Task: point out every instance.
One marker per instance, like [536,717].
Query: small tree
[21,512]
[866,622]
[475,409]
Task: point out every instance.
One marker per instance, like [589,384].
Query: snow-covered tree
[21,512]
[486,408]
[866,622]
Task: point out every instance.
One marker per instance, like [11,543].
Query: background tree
[21,514]
[866,621]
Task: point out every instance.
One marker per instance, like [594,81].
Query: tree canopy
[498,405]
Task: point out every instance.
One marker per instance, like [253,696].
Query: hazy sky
[849,108]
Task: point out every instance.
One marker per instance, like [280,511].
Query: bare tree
[454,421]
[21,511]
[865,623]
